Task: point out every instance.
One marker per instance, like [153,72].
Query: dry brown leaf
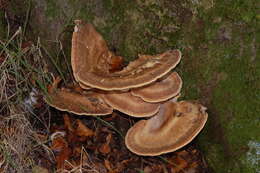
[194,165]
[58,144]
[180,164]
[183,153]
[73,138]
[120,166]
[194,151]
[108,138]
[67,123]
[105,148]
[83,130]
[54,85]
[62,156]
[69,166]
[108,165]
[110,118]
[116,63]
[77,151]
[61,150]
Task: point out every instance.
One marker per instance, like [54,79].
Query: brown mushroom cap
[90,59]
[130,105]
[174,126]
[86,103]
[88,50]
[160,90]
[85,87]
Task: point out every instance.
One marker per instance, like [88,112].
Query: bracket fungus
[90,59]
[85,103]
[88,51]
[174,126]
[144,88]
[161,90]
[131,105]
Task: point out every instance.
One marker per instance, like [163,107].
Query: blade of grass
[5,45]
[27,17]
[110,125]
[169,162]
[42,87]
[54,63]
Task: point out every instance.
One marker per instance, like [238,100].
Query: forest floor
[219,69]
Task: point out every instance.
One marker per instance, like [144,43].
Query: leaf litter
[85,144]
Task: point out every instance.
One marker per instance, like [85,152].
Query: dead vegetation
[22,78]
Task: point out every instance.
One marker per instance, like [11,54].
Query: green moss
[227,54]
[215,157]
[52,9]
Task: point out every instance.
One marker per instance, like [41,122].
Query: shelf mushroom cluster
[147,87]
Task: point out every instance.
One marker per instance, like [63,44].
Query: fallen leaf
[105,148]
[183,153]
[116,63]
[58,143]
[110,118]
[108,165]
[77,151]
[62,157]
[52,87]
[180,164]
[67,123]
[61,150]
[83,130]
[120,166]
[194,165]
